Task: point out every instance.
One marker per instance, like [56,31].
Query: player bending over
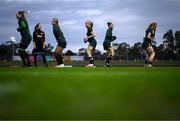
[39,44]
[61,42]
[25,37]
[107,44]
[147,44]
[92,42]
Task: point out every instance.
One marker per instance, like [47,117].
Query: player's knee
[153,53]
[20,51]
[56,54]
[88,51]
[112,54]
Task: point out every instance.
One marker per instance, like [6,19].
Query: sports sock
[44,59]
[108,59]
[146,62]
[91,60]
[21,54]
[27,58]
[59,59]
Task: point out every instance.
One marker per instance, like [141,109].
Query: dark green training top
[108,39]
[58,34]
[149,30]
[23,28]
[148,42]
[25,33]
[109,36]
[92,41]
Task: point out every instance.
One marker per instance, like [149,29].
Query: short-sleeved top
[92,41]
[39,38]
[58,34]
[89,33]
[109,36]
[149,30]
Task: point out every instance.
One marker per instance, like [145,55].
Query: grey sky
[131,18]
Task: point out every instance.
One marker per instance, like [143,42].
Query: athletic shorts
[62,44]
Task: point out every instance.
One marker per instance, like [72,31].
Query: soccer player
[107,44]
[61,42]
[39,44]
[147,44]
[92,42]
[26,37]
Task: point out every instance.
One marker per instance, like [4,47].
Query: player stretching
[26,37]
[39,44]
[147,44]
[92,42]
[61,42]
[107,44]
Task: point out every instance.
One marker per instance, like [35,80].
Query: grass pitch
[90,93]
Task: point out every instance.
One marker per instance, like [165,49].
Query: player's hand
[114,38]
[85,40]
[18,29]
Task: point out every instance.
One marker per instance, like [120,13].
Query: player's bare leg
[59,57]
[89,54]
[151,54]
[110,53]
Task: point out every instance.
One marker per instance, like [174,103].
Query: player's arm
[44,41]
[149,36]
[34,38]
[113,38]
[89,37]
[22,26]
[57,33]
[109,35]
[92,35]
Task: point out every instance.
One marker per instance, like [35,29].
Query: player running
[147,44]
[39,44]
[26,37]
[107,44]
[61,42]
[92,42]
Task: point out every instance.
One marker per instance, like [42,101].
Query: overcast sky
[131,18]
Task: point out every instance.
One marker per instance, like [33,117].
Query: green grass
[90,93]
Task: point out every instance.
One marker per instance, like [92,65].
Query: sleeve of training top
[22,26]
[109,35]
[57,33]
[44,38]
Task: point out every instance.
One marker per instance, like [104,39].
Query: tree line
[168,50]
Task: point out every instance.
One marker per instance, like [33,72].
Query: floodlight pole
[13,43]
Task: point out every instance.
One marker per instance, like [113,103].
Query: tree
[136,51]
[49,49]
[169,40]
[82,51]
[177,36]
[69,53]
[169,45]
[6,52]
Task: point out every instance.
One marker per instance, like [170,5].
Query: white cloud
[89,12]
